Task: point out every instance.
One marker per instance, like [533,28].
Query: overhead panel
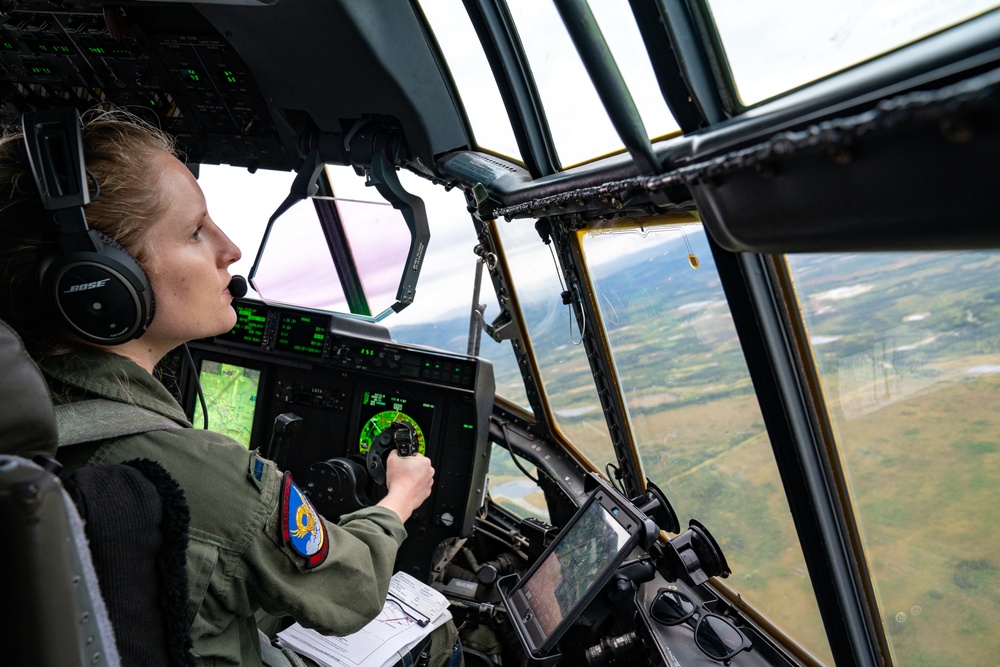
[180,75]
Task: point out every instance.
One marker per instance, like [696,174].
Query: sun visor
[916,172]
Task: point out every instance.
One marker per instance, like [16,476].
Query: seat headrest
[27,420]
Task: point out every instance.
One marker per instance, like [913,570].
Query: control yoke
[399,436]
[343,485]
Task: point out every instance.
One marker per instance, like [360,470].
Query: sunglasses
[714,635]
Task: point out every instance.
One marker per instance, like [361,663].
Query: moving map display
[543,603]
[565,576]
[231,396]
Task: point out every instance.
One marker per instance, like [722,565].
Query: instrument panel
[341,382]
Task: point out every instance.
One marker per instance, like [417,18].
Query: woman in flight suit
[255,542]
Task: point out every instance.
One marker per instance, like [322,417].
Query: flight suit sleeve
[329,577]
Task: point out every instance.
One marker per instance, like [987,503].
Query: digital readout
[302,333]
[249,328]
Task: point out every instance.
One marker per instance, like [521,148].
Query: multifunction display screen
[380,408]
[302,333]
[231,396]
[251,322]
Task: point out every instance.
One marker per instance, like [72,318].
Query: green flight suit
[237,562]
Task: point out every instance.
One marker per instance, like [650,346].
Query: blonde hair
[119,152]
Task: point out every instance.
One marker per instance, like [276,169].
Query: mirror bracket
[304,186]
[377,151]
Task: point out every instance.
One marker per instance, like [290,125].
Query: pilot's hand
[409,480]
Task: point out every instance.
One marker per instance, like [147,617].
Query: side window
[810,40]
[907,346]
[694,413]
[555,339]
[513,485]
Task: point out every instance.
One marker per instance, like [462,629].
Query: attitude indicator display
[382,410]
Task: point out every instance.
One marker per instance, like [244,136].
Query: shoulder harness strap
[101,419]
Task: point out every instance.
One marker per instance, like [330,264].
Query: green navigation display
[380,410]
[277,329]
[302,333]
[250,321]
[231,396]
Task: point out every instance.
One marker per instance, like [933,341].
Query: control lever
[400,436]
[286,426]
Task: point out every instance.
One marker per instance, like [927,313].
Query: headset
[93,285]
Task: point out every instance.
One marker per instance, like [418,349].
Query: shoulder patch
[255,471]
[301,527]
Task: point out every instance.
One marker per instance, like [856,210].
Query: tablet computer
[573,569]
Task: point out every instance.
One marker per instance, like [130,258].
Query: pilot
[248,551]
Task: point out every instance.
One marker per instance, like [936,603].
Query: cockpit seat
[27,420]
[53,610]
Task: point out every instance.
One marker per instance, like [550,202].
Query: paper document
[411,612]
[421,601]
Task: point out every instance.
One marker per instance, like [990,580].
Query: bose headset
[92,283]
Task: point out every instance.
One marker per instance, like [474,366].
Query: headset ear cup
[147,297]
[103,297]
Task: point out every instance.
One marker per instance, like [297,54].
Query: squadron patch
[301,527]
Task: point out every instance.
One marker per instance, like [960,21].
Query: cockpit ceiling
[217,76]
[259,85]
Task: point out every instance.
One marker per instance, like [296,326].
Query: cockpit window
[378,240]
[907,346]
[779,45]
[471,72]
[577,121]
[694,414]
[579,125]
[555,339]
[362,279]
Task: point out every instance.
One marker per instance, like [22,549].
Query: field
[910,361]
[925,489]
[908,350]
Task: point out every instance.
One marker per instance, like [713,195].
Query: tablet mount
[692,556]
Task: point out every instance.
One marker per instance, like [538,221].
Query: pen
[412,612]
